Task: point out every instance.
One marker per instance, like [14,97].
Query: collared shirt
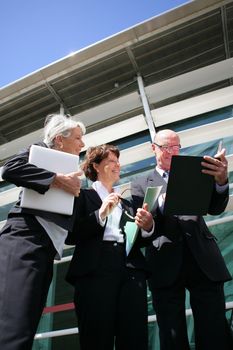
[159,170]
[161,198]
[112,231]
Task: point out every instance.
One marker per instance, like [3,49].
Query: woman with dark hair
[110,286]
[31,239]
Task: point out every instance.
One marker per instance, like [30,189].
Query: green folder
[130,228]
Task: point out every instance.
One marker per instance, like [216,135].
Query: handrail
[69,331]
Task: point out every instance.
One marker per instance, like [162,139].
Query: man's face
[165,146]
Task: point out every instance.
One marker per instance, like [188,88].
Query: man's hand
[70,183]
[143,218]
[217,166]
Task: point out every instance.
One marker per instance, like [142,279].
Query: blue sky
[36,33]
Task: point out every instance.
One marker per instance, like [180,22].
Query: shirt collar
[159,170]
[100,189]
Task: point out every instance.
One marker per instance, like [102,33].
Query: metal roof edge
[107,46]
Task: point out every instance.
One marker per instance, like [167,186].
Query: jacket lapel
[93,197]
[155,179]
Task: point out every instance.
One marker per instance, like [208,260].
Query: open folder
[188,190]
[130,228]
[54,200]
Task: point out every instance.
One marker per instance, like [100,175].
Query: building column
[146,107]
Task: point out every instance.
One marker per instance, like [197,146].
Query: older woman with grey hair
[31,239]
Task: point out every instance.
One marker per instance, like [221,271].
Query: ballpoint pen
[219,146]
[219,149]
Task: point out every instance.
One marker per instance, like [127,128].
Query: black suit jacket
[165,261]
[18,171]
[87,235]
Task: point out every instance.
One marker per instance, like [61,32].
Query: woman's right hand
[70,183]
[109,203]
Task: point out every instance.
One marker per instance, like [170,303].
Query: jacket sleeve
[86,225]
[218,201]
[18,171]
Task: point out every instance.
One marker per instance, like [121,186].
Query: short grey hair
[58,124]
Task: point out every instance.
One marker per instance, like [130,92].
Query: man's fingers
[145,206]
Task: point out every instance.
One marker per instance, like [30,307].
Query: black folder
[188,190]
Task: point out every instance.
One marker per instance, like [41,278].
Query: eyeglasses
[122,199]
[166,148]
[125,190]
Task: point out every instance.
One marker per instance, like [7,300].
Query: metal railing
[69,331]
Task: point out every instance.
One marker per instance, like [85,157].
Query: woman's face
[109,169]
[72,144]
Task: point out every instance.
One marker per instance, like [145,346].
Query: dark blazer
[88,236]
[18,171]
[165,260]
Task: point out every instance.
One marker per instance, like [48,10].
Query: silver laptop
[54,200]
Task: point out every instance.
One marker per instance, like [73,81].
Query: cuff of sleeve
[146,233]
[99,220]
[221,188]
